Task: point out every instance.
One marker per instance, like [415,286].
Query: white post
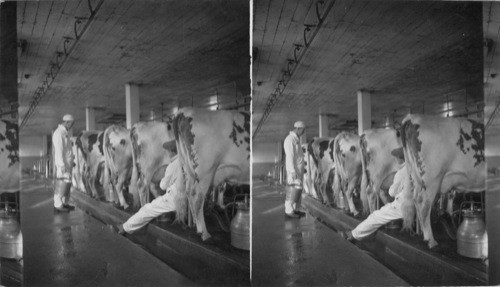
[132,104]
[323,126]
[90,119]
[364,112]
[45,142]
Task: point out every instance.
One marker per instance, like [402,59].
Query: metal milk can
[240,226]
[471,237]
[9,235]
[293,192]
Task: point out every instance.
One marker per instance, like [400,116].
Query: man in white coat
[388,212]
[161,204]
[63,162]
[294,170]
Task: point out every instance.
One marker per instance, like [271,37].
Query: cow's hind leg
[350,201]
[423,202]
[199,199]
[119,190]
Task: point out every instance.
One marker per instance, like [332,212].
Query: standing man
[294,170]
[162,204]
[388,212]
[63,162]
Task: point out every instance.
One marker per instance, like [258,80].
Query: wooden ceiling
[411,56]
[181,53]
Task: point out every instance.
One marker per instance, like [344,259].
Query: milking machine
[11,242]
[471,234]
[230,205]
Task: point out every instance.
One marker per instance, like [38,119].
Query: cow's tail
[188,174]
[308,180]
[108,159]
[181,199]
[365,176]
[109,164]
[337,180]
[409,135]
[134,187]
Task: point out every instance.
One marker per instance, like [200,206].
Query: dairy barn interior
[118,63]
[340,66]
[351,66]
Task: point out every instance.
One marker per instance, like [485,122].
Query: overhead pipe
[61,58]
[291,64]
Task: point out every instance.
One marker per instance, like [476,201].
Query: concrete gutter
[412,261]
[181,249]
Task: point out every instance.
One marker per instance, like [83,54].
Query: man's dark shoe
[347,235]
[118,228]
[292,215]
[69,207]
[61,209]
[299,213]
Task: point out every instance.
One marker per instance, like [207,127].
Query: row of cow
[441,154]
[213,147]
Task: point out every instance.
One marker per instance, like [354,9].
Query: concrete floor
[303,251]
[77,250]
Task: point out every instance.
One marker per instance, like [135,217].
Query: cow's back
[213,141]
[376,147]
[437,147]
[347,155]
[117,149]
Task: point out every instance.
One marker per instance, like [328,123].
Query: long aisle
[74,249]
[304,251]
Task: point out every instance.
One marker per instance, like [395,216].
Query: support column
[90,119]
[364,111]
[45,145]
[281,161]
[132,104]
[323,126]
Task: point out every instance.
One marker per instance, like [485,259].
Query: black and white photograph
[249,143]
[369,156]
[134,142]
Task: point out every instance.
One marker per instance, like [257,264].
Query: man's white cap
[68,118]
[299,124]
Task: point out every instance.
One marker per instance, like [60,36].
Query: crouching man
[162,204]
[388,212]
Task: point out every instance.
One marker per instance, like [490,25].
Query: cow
[378,165]
[347,159]
[79,166]
[9,157]
[213,147]
[90,144]
[118,160]
[309,173]
[441,154]
[321,165]
[149,159]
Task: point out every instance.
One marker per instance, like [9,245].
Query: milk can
[240,226]
[9,235]
[293,192]
[471,234]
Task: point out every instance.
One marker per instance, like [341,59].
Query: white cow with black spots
[441,154]
[213,147]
